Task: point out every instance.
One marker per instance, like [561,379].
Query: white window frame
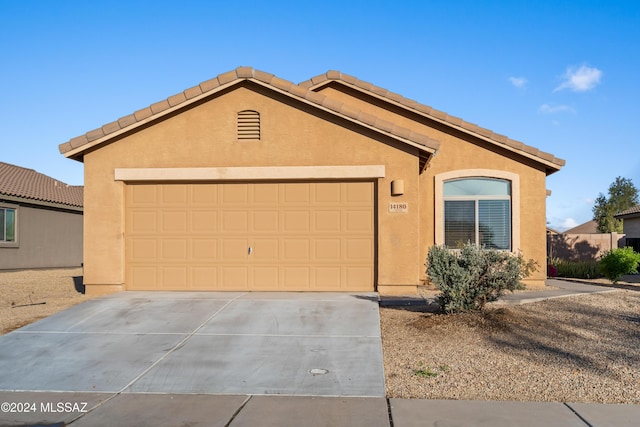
[478,173]
[15,242]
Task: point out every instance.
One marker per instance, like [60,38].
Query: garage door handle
[250,250]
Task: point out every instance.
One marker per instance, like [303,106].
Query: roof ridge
[229,78]
[335,75]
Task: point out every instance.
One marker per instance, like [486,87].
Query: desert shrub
[576,269]
[471,277]
[618,262]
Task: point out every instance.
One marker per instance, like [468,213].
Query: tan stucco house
[631,226]
[251,182]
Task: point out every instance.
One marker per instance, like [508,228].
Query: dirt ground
[29,295]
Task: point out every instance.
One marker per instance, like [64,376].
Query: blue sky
[559,75]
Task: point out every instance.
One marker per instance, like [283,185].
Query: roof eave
[78,152]
[550,166]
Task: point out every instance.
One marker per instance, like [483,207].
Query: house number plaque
[398,207]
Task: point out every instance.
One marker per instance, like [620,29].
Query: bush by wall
[618,262]
[575,269]
[471,277]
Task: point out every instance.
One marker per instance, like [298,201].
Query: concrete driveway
[298,344]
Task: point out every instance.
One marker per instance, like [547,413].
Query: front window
[7,225]
[477,210]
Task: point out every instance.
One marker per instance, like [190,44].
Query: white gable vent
[249,125]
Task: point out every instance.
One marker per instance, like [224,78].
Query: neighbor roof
[76,147]
[553,163]
[634,211]
[22,184]
[589,227]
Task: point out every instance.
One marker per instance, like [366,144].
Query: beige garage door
[250,236]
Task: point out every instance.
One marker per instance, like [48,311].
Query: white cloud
[519,82]
[580,79]
[549,109]
[569,223]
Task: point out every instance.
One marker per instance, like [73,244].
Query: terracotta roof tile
[243,73]
[159,107]
[210,84]
[95,134]
[630,211]
[227,77]
[176,99]
[143,114]
[192,92]
[315,82]
[262,76]
[127,120]
[110,128]
[28,184]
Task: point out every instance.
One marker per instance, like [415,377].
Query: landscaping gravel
[29,295]
[574,349]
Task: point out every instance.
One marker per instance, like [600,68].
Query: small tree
[622,195]
[617,262]
[469,278]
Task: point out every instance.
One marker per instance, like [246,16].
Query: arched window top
[477,187]
[249,125]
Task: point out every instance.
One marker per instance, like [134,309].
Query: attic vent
[249,125]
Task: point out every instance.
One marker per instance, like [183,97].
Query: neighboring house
[40,220]
[631,226]
[251,182]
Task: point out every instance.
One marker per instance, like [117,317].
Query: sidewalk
[157,410]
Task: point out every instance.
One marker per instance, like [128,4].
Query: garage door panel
[235,249]
[175,277]
[204,249]
[173,222]
[142,222]
[266,250]
[174,250]
[265,221]
[235,277]
[174,194]
[204,221]
[204,277]
[250,236]
[296,278]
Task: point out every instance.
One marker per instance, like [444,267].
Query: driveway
[299,344]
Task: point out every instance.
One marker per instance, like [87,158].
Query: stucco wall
[46,238]
[460,152]
[631,227]
[291,135]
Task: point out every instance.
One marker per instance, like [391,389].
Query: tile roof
[23,183]
[432,113]
[76,147]
[631,211]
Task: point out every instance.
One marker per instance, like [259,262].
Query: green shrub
[576,269]
[471,277]
[618,262]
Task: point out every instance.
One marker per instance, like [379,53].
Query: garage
[263,236]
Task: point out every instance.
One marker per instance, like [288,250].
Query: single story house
[40,220]
[631,226]
[251,182]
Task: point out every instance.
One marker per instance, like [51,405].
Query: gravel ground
[575,349]
[29,295]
